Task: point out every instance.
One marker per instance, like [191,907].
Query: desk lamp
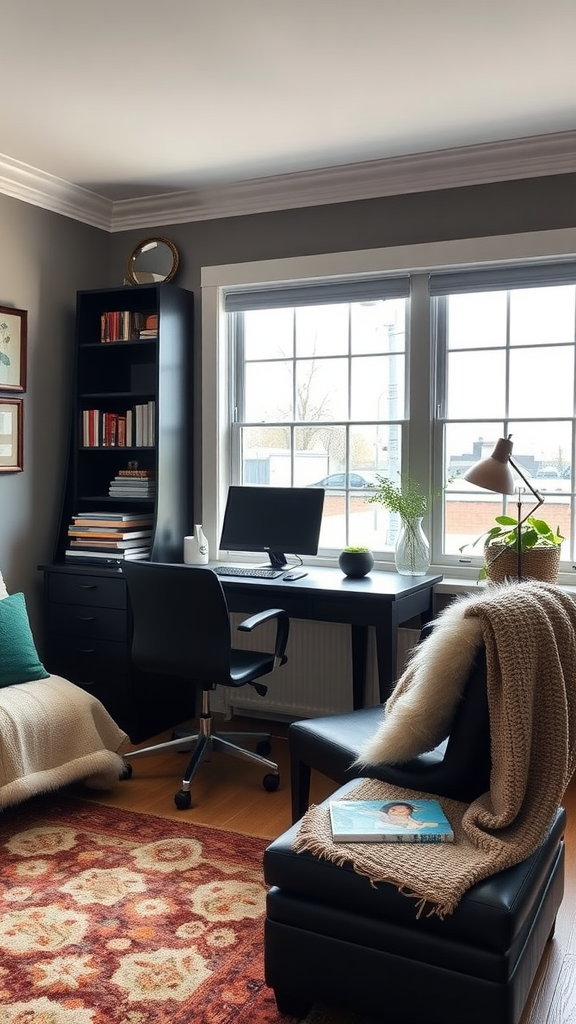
[495,474]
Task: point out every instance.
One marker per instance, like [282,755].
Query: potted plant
[412,551]
[539,544]
[356,561]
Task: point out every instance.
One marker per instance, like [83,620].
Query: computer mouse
[294,575]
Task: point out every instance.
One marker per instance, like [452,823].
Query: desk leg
[386,652]
[359,664]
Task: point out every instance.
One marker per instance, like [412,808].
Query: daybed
[52,732]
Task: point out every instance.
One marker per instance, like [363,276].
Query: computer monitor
[274,520]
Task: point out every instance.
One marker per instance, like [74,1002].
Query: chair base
[202,743]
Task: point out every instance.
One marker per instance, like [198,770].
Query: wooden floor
[228,794]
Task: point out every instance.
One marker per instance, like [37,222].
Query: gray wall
[502,208]
[46,258]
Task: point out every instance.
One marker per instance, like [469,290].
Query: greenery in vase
[357,550]
[405,497]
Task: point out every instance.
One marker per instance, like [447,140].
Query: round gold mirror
[153,260]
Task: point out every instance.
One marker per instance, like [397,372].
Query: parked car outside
[339,480]
[549,471]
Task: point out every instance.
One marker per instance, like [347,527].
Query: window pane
[266,455]
[542,316]
[322,389]
[376,450]
[377,388]
[543,452]
[322,330]
[541,382]
[269,333]
[268,391]
[476,384]
[477,320]
[468,510]
[378,326]
[320,455]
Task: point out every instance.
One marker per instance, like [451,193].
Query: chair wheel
[271,783]
[183,799]
[126,771]
[263,748]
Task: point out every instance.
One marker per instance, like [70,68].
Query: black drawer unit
[88,640]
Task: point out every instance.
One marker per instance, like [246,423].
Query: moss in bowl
[356,561]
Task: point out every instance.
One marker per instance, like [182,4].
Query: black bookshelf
[87,612]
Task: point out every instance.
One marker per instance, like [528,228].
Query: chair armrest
[282,630]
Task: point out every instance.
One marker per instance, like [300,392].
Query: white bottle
[196,548]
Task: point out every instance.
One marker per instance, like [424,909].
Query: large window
[332,369]
[505,361]
[319,397]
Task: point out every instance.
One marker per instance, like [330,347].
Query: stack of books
[133,483]
[109,537]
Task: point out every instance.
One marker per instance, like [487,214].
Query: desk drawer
[297,606]
[87,661]
[76,620]
[70,588]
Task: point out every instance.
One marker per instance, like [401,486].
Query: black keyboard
[237,570]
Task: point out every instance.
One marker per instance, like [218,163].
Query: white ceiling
[105,104]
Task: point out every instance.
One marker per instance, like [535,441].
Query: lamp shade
[494,473]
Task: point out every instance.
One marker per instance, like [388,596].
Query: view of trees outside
[324,398]
[322,401]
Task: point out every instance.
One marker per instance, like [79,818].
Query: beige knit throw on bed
[529,631]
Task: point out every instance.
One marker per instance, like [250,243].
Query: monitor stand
[277,560]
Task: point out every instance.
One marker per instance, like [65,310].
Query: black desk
[382,599]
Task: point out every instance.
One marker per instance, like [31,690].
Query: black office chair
[182,628]
[458,768]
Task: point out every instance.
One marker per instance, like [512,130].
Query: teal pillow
[19,662]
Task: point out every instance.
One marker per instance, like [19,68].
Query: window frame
[422,456]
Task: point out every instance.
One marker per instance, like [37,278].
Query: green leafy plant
[533,533]
[353,550]
[405,497]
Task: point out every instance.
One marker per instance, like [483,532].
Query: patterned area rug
[115,917]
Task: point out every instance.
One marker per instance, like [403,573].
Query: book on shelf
[133,495]
[136,474]
[130,428]
[96,533]
[120,325]
[112,519]
[389,821]
[116,557]
[135,483]
[138,544]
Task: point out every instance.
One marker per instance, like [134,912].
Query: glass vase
[412,552]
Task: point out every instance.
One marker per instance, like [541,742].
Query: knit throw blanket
[529,631]
[53,733]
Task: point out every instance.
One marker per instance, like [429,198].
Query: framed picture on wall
[13,337]
[11,434]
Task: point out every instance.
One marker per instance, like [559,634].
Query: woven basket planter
[537,563]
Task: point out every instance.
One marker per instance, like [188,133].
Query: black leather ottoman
[331,937]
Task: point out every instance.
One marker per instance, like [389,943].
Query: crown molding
[30,185]
[531,157]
